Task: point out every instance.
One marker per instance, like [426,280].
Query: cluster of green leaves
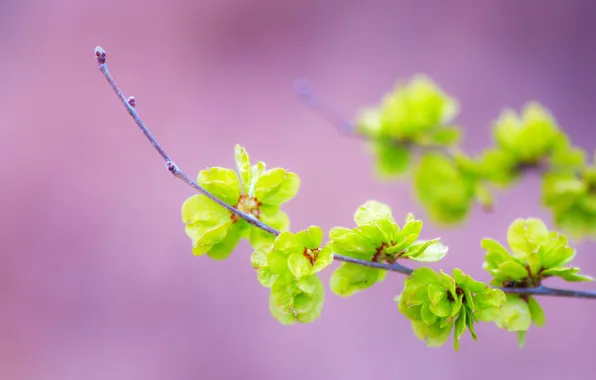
[289,268]
[535,254]
[437,304]
[416,113]
[377,238]
[418,116]
[571,194]
[256,191]
[527,140]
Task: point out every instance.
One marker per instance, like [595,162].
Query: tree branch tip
[100,55]
[303,89]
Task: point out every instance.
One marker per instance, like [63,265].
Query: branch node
[131,101]
[172,167]
[100,54]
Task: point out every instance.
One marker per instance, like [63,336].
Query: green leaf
[442,308]
[536,312]
[285,318]
[317,308]
[465,281]
[303,303]
[351,278]
[277,262]
[534,263]
[515,315]
[324,259]
[425,276]
[309,285]
[223,249]
[525,236]
[436,293]
[459,329]
[446,136]
[521,338]
[352,244]
[221,182]
[283,292]
[244,167]
[200,210]
[393,158]
[288,243]
[257,170]
[412,227]
[513,270]
[483,195]
[427,315]
[368,122]
[429,251]
[557,257]
[488,304]
[299,265]
[435,335]
[371,211]
[496,254]
[311,237]
[399,247]
[276,186]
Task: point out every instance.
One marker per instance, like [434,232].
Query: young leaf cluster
[535,254]
[437,304]
[377,238]
[289,267]
[418,116]
[254,190]
[571,195]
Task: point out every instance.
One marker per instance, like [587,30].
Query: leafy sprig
[231,207]
[535,255]
[419,117]
[379,239]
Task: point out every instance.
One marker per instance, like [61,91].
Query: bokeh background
[97,280]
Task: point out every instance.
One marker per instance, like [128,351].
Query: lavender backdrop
[97,280]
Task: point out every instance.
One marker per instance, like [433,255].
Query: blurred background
[97,279]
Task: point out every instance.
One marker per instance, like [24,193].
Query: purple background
[97,280]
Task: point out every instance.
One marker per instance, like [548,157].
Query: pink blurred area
[97,279]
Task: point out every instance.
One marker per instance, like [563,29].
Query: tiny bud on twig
[172,168]
[100,54]
[131,101]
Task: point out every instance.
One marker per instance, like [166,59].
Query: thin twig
[395,267]
[544,291]
[325,111]
[130,103]
[100,54]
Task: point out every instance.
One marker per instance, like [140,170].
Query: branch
[544,291]
[130,104]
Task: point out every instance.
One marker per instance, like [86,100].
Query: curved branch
[130,103]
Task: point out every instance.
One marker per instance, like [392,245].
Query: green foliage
[448,186]
[437,304]
[414,113]
[288,266]
[526,138]
[572,199]
[257,192]
[379,239]
[535,254]
[419,116]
